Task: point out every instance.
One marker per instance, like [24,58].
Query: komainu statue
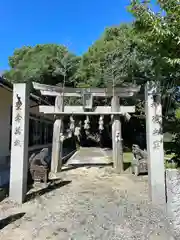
[39,164]
[139,162]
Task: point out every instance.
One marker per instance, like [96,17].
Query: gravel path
[94,203]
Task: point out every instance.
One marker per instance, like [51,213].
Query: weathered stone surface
[173,197]
[40,158]
[139,161]
[155,150]
[19,143]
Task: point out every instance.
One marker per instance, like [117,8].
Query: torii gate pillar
[57,144]
[117,136]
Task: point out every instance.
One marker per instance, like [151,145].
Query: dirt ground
[87,204]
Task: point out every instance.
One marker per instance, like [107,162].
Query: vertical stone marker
[19,145]
[154,135]
[116,136]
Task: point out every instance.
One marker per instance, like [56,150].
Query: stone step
[88,156]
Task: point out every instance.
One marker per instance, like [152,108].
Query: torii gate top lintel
[50,90]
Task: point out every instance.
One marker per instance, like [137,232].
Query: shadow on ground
[51,187]
[4,192]
[10,219]
[126,165]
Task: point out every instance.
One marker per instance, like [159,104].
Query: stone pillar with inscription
[154,135]
[19,145]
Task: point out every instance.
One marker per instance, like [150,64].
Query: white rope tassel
[72,125]
[101,123]
[86,123]
[127,116]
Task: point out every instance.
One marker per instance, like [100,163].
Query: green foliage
[177,114]
[100,62]
[160,33]
[171,165]
[119,57]
[44,63]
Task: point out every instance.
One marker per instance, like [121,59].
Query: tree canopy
[44,63]
[115,55]
[160,36]
[115,58]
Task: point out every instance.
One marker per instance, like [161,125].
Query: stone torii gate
[87,94]
[20,131]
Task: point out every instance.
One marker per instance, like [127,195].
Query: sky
[74,23]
